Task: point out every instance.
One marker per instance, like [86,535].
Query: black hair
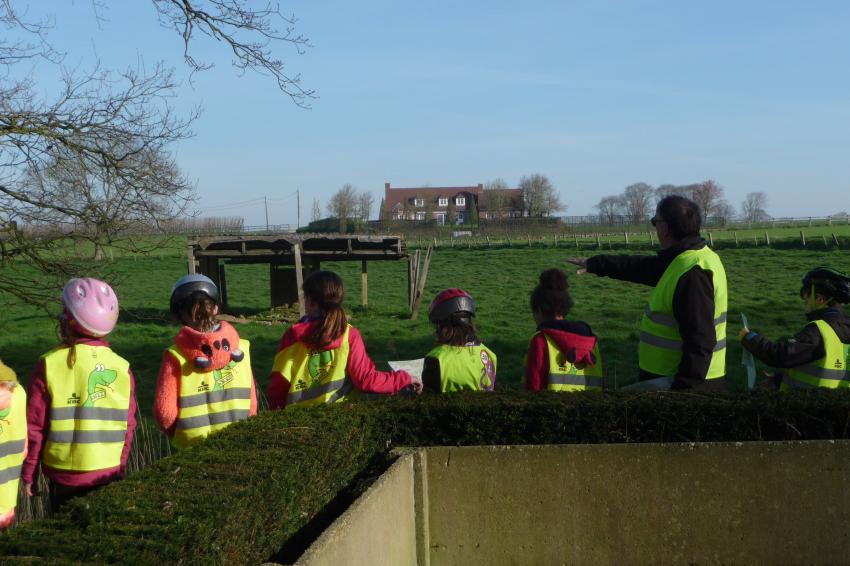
[829,283]
[682,215]
[551,297]
[457,330]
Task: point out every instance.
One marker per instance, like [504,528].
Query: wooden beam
[222,285]
[364,276]
[190,251]
[420,287]
[299,279]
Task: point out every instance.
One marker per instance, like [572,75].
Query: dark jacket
[693,307]
[806,346]
[574,338]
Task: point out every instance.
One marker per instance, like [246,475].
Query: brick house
[435,203]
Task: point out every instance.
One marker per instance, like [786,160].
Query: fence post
[710,238]
[835,239]
[488,241]
[652,240]
[626,234]
[803,238]
[598,241]
[576,237]
[766,238]
[735,233]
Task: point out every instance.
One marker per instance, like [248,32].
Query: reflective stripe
[670,322]
[10,474]
[824,373]
[569,379]
[211,397]
[87,413]
[346,388]
[313,392]
[795,383]
[86,436]
[672,344]
[211,419]
[12,447]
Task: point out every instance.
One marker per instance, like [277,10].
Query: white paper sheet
[413,367]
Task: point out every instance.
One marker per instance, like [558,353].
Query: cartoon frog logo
[223,376]
[99,380]
[319,365]
[488,372]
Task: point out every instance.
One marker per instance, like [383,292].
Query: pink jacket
[38,424]
[360,368]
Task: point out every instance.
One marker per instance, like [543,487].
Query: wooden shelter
[291,257]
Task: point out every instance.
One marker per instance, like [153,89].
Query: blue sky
[595,95]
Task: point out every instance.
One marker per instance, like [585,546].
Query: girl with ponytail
[563,355]
[322,359]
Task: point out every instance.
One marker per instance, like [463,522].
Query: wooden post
[190,252]
[488,241]
[576,242]
[222,285]
[364,276]
[766,238]
[824,241]
[598,242]
[626,234]
[435,241]
[803,238]
[410,280]
[652,240]
[736,238]
[420,284]
[529,239]
[835,239]
[299,279]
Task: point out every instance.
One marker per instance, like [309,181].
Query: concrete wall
[378,528]
[582,504]
[640,503]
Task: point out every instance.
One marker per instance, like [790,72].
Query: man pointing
[683,330]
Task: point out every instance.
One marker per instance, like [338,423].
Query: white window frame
[440,217]
[459,218]
[460,201]
[420,216]
[444,201]
[419,202]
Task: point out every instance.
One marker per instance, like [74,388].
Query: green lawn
[763,283]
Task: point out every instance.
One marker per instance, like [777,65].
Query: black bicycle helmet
[192,285]
[827,282]
[449,303]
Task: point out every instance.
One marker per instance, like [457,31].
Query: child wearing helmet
[460,361]
[13,442]
[818,355]
[82,402]
[322,359]
[205,380]
[563,354]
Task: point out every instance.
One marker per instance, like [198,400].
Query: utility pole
[298,201]
[266,203]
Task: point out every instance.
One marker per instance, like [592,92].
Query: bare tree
[754,207]
[637,201]
[724,212]
[709,196]
[317,211]
[365,202]
[343,205]
[495,197]
[106,135]
[539,196]
[610,208]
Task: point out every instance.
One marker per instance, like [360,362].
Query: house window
[420,216]
[441,217]
[419,202]
[444,201]
[460,218]
[460,201]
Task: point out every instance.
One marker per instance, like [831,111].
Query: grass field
[763,283]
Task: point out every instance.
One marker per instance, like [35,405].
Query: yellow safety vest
[566,376]
[471,368]
[315,377]
[211,400]
[13,438]
[660,342]
[89,406]
[830,371]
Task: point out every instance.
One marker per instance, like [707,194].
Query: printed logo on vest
[224,376]
[4,413]
[74,399]
[100,379]
[839,364]
[488,372]
[319,366]
[203,387]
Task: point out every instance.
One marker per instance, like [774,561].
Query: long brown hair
[68,336]
[326,290]
[457,331]
[198,312]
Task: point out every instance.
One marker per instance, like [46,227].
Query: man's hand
[743,333]
[580,262]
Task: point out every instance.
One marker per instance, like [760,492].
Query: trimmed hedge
[263,487]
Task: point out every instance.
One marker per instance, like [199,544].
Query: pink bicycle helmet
[91,304]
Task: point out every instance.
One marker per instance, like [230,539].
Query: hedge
[265,487]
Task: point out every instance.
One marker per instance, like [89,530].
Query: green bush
[262,488]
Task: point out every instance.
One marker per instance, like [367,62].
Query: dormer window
[460,201]
[419,202]
[444,201]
